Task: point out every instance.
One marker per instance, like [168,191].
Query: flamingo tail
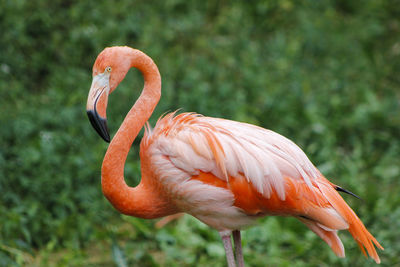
[329,236]
[364,239]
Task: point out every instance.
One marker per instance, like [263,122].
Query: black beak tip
[99,124]
[106,138]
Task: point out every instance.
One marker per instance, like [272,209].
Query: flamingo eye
[108,69]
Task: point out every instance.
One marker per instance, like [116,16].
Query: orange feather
[301,203]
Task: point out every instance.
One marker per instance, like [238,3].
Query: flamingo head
[109,70]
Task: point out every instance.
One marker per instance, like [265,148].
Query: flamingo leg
[166,220]
[226,239]
[238,248]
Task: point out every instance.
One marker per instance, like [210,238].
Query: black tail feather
[340,189]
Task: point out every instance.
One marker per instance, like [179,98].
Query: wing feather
[226,148]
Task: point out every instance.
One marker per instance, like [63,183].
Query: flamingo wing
[253,170]
[225,148]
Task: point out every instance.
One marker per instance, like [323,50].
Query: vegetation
[323,73]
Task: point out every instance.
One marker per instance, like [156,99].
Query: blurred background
[322,73]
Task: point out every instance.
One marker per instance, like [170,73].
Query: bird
[225,173]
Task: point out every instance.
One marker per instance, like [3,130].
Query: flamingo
[225,173]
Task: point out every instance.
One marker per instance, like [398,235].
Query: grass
[324,74]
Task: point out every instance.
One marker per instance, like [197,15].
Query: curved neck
[141,201]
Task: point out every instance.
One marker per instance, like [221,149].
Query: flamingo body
[225,173]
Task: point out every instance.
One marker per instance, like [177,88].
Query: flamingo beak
[97,104]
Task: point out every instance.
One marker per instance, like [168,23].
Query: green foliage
[323,73]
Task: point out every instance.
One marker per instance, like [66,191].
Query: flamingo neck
[143,200]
